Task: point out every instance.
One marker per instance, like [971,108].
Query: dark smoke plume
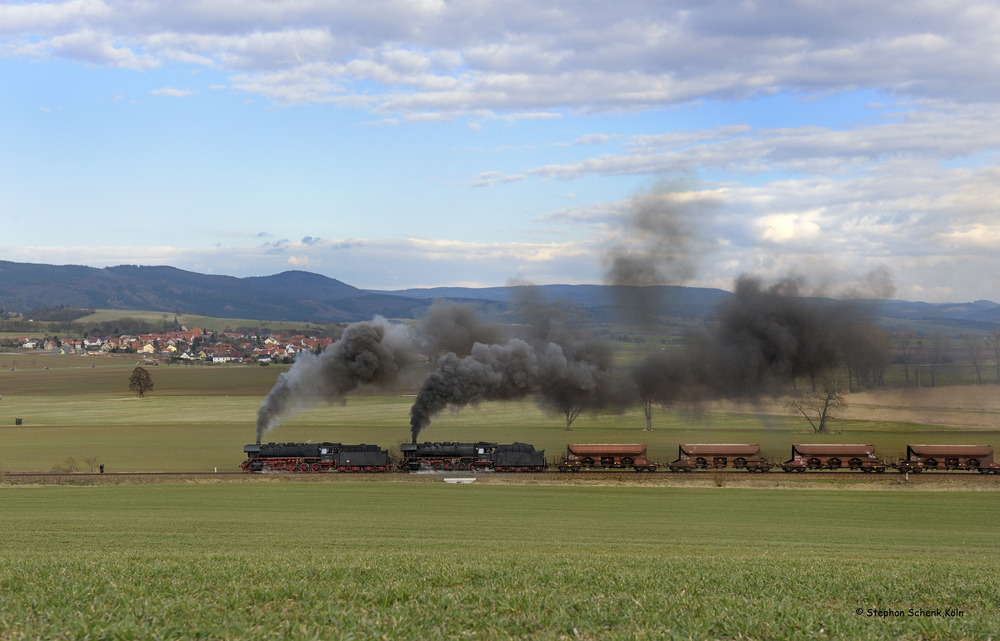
[489,373]
[765,340]
[567,370]
[452,327]
[662,238]
[373,352]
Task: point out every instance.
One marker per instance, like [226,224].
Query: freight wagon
[703,456]
[821,456]
[949,457]
[606,456]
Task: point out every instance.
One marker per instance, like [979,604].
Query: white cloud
[911,183]
[99,48]
[512,55]
[173,92]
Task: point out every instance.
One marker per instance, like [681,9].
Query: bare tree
[571,412]
[975,349]
[140,381]
[908,341]
[865,352]
[937,353]
[994,341]
[662,378]
[818,407]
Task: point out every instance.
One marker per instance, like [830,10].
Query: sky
[421,143]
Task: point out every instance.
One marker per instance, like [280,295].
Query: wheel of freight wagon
[814,464]
[740,463]
[833,463]
[854,463]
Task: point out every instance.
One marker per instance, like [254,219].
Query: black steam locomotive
[516,457]
[336,457]
[315,457]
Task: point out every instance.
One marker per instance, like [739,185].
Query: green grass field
[409,557]
[358,559]
[199,417]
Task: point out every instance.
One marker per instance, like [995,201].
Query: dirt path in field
[973,406]
[961,405]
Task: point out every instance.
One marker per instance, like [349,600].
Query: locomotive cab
[328,451]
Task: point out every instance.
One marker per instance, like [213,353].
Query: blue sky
[424,143]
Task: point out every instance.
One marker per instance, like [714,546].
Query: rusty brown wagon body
[606,456]
[949,457]
[833,456]
[702,456]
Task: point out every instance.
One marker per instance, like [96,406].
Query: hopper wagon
[606,456]
[833,456]
[949,457]
[703,456]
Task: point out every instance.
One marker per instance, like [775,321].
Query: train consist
[523,457]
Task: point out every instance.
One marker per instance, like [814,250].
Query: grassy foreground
[361,559]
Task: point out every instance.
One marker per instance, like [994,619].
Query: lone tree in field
[140,381]
[818,407]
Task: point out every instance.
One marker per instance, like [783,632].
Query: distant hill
[309,297]
[294,296]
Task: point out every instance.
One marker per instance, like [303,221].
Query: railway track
[553,475]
